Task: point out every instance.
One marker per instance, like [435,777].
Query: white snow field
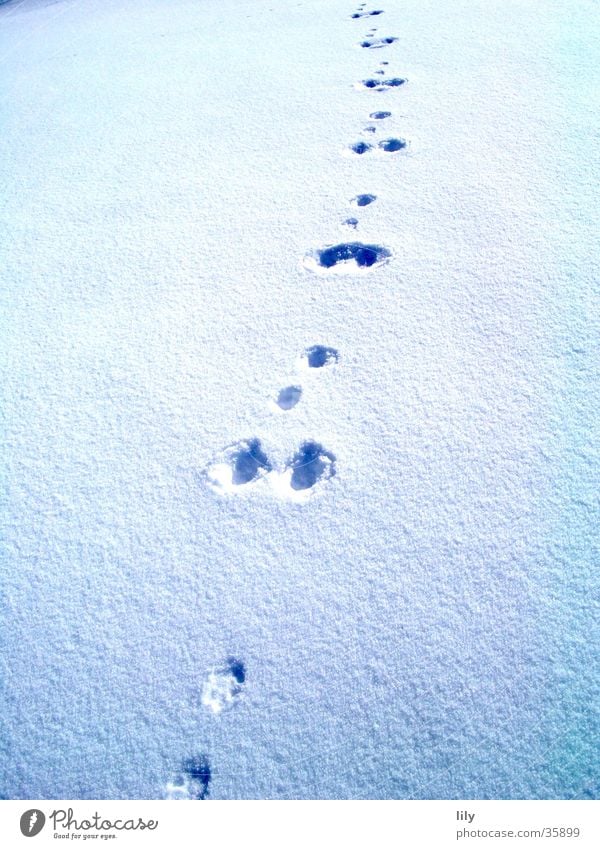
[300,436]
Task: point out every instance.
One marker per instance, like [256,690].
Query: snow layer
[424,622]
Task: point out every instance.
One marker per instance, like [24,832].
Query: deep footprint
[360,147]
[193,780]
[310,464]
[318,356]
[379,116]
[347,257]
[289,397]
[241,464]
[248,462]
[392,145]
[224,685]
[363,200]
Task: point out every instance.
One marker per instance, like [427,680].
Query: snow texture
[403,556]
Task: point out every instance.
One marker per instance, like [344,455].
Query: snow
[419,618]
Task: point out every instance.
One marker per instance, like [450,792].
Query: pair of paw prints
[381,85]
[361,14]
[245,465]
[391,145]
[347,258]
[377,43]
[222,688]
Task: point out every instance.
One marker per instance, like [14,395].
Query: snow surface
[423,623]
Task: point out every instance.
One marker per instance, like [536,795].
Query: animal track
[318,356]
[241,464]
[346,258]
[363,200]
[289,397]
[224,685]
[245,463]
[381,85]
[392,145]
[193,780]
[376,43]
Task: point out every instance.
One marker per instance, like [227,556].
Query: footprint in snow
[310,465]
[363,200]
[392,145]
[224,685]
[192,781]
[379,116]
[350,223]
[240,465]
[288,397]
[358,148]
[319,356]
[346,258]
